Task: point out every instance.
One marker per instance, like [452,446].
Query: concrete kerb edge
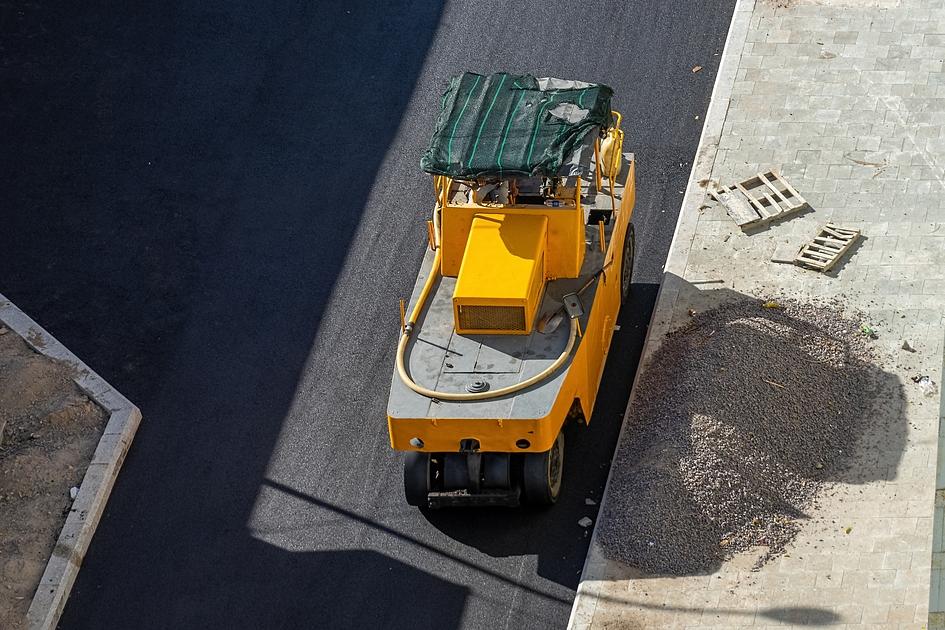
[588,595]
[76,534]
[936,619]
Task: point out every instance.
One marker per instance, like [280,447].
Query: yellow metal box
[502,276]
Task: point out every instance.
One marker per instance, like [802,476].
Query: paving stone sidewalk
[846,99]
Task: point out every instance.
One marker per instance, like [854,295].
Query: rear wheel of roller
[542,474]
[417,477]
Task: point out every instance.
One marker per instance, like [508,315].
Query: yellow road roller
[530,256]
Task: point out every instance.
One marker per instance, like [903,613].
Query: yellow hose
[430,393]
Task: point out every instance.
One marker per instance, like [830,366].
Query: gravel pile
[739,419]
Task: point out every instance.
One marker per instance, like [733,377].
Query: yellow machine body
[502,277]
[564,252]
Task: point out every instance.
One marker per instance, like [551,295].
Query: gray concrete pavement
[256,166]
[845,98]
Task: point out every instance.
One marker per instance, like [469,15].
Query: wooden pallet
[830,244]
[759,200]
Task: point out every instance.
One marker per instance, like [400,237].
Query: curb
[936,620]
[588,594]
[73,542]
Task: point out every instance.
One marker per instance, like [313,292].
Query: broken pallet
[830,244]
[759,199]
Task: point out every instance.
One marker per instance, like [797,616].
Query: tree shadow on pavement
[655,520]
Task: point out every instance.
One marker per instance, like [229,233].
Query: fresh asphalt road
[218,205]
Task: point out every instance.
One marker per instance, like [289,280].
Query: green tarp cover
[504,125]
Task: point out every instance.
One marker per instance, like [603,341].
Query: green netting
[504,125]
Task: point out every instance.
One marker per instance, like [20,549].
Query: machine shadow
[881,440]
[588,450]
[185,181]
[587,456]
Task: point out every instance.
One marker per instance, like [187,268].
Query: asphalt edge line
[124,417]
[587,596]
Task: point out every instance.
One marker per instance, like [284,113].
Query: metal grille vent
[491,317]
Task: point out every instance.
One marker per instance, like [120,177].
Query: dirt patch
[51,431]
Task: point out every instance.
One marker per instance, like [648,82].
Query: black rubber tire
[417,478]
[626,263]
[496,470]
[455,471]
[542,474]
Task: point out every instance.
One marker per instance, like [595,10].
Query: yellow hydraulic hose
[430,393]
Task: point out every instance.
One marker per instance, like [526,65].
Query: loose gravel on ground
[739,419]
